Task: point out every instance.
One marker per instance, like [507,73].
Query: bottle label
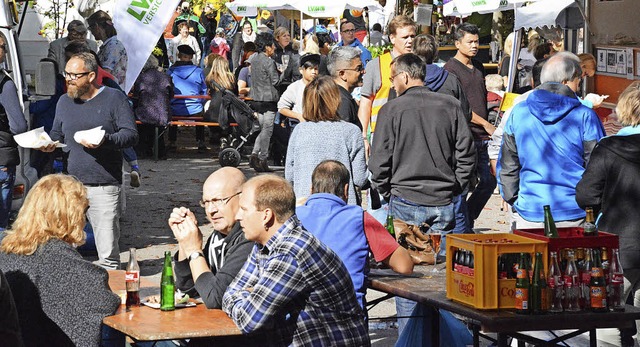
[568,281]
[522,298]
[132,276]
[617,278]
[586,277]
[502,275]
[596,272]
[522,273]
[598,297]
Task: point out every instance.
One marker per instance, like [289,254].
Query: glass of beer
[436,239]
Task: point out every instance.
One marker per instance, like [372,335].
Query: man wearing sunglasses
[348,35]
[347,69]
[208,272]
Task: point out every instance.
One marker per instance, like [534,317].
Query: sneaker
[254,162]
[135,179]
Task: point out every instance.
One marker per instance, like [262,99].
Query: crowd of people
[414,135]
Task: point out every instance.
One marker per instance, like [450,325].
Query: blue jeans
[486,185]
[7,178]
[441,219]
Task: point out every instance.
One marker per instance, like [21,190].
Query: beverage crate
[483,289]
[572,238]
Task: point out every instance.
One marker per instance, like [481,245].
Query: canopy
[565,13]
[312,8]
[249,8]
[461,8]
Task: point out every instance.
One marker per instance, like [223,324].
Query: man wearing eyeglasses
[209,271]
[348,34]
[347,70]
[97,163]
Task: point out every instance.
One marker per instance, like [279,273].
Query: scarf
[249,38]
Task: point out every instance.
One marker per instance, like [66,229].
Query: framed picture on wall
[601,57]
[637,63]
[621,62]
[611,61]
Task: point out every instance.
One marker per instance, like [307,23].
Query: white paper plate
[93,136]
[35,138]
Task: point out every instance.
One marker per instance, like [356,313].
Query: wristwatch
[195,255]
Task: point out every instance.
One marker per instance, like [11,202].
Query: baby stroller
[234,110]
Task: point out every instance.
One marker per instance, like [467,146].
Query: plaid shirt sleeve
[254,299]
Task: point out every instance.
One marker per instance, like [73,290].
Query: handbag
[418,244]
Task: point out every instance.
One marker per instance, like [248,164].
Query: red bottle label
[586,277]
[568,281]
[132,276]
[617,278]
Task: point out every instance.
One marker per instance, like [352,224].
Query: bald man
[208,271]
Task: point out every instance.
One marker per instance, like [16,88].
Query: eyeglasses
[350,31]
[394,76]
[358,68]
[74,76]
[218,202]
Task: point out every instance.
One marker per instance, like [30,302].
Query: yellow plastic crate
[484,290]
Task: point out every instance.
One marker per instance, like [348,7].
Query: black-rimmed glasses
[218,202]
[74,76]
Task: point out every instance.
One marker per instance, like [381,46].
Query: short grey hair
[412,64]
[341,56]
[89,60]
[561,67]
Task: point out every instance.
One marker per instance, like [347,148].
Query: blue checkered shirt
[297,292]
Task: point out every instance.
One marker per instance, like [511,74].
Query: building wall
[608,18]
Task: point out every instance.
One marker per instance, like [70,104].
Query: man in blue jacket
[188,79]
[347,32]
[546,145]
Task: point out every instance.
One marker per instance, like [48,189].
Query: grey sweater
[61,298]
[313,142]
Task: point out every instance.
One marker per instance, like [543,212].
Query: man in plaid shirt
[293,290]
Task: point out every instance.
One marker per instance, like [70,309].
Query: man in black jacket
[423,154]
[209,271]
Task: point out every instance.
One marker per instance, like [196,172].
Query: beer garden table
[429,288]
[148,324]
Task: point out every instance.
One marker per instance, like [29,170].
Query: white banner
[139,24]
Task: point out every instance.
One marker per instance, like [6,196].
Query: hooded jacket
[611,185]
[441,81]
[545,148]
[188,79]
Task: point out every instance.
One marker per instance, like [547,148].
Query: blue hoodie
[547,142]
[188,79]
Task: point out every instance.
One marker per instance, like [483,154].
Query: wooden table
[430,290]
[147,324]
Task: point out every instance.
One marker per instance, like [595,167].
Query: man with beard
[347,70]
[97,163]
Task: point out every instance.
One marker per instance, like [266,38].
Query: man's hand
[493,168]
[367,148]
[89,145]
[48,148]
[184,225]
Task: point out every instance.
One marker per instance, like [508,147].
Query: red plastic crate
[572,238]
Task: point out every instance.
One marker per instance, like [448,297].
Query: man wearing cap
[188,79]
[76,31]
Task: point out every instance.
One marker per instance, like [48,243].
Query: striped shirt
[297,292]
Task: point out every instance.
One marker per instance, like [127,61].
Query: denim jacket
[264,78]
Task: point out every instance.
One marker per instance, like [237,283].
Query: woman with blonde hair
[219,75]
[60,297]
[611,186]
[324,136]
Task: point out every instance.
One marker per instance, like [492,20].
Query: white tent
[312,8]
[541,13]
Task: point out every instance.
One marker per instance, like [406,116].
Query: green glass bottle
[167,286]
[389,225]
[522,286]
[549,225]
[538,293]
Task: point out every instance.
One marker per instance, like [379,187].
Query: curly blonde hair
[54,209]
[628,108]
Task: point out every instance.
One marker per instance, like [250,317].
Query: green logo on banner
[316,8]
[242,9]
[144,10]
[479,3]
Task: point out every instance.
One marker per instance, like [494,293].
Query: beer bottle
[617,282]
[389,225]
[549,225]
[454,263]
[556,285]
[167,286]
[132,280]
[522,287]
[598,287]
[537,285]
[590,228]
[571,285]
[471,264]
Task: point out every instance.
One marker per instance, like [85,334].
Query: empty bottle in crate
[571,284]
[556,285]
[585,279]
[617,282]
[538,302]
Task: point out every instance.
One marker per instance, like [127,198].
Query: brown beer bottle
[522,287]
[598,287]
[590,228]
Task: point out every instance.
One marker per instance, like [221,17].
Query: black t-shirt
[472,81]
[348,109]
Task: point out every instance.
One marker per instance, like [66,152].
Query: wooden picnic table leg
[593,338]
[476,335]
[155,143]
[503,340]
